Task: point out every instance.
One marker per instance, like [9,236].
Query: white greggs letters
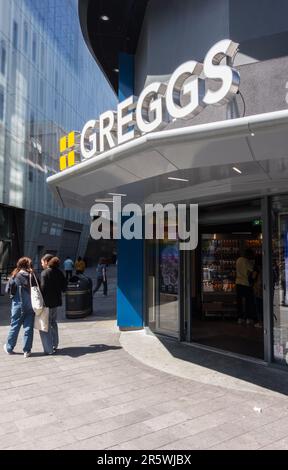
[151,100]
[177,89]
[230,77]
[185,95]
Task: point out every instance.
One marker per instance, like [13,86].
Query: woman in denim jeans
[21,309]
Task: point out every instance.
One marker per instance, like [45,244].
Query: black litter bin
[79,297]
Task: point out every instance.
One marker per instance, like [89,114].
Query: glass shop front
[231,292]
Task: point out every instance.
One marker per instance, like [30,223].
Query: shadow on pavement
[272,378]
[78,351]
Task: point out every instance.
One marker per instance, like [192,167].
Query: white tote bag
[36,296]
[41,321]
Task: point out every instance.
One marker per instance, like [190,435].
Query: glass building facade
[49,86]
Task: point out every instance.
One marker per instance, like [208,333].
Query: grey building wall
[263,86]
[174,32]
[261,28]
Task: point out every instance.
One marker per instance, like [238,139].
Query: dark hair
[79,258]
[47,257]
[24,263]
[54,262]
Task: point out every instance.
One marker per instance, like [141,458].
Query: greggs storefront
[205,125]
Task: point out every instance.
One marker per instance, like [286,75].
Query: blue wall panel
[126,76]
[130,284]
[129,252]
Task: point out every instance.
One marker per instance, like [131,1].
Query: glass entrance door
[228,312]
[163,287]
[279,286]
[168,288]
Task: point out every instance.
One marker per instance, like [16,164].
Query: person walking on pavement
[80,265]
[244,289]
[22,312]
[53,283]
[68,267]
[101,277]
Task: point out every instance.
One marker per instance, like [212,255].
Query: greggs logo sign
[186,94]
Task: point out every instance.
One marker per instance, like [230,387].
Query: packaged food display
[219,257]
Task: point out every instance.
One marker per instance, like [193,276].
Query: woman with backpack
[53,283]
[22,313]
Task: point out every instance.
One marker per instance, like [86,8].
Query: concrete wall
[263,86]
[174,32]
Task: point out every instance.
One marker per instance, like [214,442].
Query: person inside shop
[68,266]
[80,265]
[244,286]
[258,291]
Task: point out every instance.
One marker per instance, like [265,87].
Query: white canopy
[204,154]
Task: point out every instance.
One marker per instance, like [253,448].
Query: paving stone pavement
[93,394]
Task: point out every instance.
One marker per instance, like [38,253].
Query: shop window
[42,57]
[59,230]
[34,48]
[32,124]
[45,225]
[25,38]
[30,175]
[1,103]
[53,229]
[15,35]
[41,94]
[56,87]
[3,58]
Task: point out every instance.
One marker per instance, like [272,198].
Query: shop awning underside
[203,154]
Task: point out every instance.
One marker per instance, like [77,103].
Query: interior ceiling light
[116,70]
[177,179]
[104,18]
[252,134]
[237,170]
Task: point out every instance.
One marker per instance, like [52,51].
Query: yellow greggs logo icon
[67,157]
